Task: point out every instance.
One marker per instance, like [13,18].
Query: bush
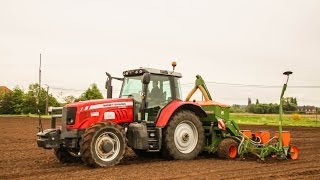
[19,102]
[263,108]
[296,116]
[237,109]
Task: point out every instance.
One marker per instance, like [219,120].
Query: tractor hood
[83,114]
[102,103]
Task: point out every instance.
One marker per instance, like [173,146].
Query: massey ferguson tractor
[151,117]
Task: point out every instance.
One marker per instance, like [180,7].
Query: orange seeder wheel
[233,150]
[293,152]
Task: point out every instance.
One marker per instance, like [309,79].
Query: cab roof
[140,71]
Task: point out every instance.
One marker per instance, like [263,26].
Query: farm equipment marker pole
[40,124]
[287,73]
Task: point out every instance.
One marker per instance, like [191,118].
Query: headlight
[71,115]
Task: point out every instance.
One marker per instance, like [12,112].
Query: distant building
[307,109]
[4,89]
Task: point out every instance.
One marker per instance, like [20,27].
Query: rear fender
[175,106]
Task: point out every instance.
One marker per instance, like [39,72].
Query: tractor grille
[71,115]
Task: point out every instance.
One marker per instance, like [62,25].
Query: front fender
[177,105]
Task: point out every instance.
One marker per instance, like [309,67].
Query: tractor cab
[151,90]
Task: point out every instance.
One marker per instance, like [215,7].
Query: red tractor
[149,117]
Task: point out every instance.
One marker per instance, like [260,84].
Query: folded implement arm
[200,84]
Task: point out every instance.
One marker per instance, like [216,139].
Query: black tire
[228,149]
[96,143]
[65,156]
[144,154]
[183,137]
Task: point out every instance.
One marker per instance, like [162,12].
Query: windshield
[132,86]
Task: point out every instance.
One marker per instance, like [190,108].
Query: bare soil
[21,158]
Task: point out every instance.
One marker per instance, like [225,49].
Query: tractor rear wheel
[228,149]
[65,156]
[103,144]
[183,136]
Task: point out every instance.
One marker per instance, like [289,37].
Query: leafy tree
[294,101]
[30,101]
[91,93]
[235,108]
[249,101]
[289,104]
[263,108]
[5,103]
[52,101]
[250,108]
[17,100]
[69,99]
[31,98]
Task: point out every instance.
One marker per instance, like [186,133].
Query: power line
[236,85]
[243,85]
[255,85]
[66,89]
[262,86]
[71,89]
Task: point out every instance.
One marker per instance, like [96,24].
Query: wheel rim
[185,137]
[233,152]
[107,146]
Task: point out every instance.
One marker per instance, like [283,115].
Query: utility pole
[38,99]
[316,115]
[47,99]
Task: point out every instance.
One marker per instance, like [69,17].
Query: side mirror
[108,82]
[109,86]
[146,78]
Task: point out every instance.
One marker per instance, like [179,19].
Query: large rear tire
[183,136]
[103,144]
[65,156]
[228,149]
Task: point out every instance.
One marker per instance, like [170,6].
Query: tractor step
[154,137]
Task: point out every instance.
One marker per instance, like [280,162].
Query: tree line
[20,102]
[290,104]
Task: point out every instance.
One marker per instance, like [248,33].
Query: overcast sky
[246,42]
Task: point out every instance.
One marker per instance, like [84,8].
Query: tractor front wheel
[183,136]
[103,144]
[65,156]
[228,149]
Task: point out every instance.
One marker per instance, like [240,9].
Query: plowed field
[21,158]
